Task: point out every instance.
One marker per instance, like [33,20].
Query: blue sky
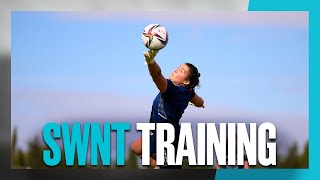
[90,65]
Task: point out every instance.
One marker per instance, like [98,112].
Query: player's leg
[153,148]
[136,147]
[175,144]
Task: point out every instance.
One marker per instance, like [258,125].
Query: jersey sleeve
[192,94]
[171,89]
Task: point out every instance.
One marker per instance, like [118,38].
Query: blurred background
[7,6]
[88,67]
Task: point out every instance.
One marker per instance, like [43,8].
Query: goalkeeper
[168,106]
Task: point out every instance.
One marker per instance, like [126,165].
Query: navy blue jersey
[169,106]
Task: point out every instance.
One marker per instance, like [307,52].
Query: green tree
[20,160]
[304,158]
[17,155]
[132,160]
[34,154]
[13,146]
[292,159]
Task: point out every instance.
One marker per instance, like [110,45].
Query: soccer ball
[155,37]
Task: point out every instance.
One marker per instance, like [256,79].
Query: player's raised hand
[149,56]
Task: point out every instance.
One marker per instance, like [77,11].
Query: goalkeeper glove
[149,56]
[190,103]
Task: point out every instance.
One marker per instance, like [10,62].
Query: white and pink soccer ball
[155,36]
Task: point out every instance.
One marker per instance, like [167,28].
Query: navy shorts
[153,145]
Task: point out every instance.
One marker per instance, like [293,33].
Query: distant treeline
[32,158]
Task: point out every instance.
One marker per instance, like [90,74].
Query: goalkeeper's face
[180,75]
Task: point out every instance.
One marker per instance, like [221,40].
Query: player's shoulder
[179,88]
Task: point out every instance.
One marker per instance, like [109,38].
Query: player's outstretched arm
[197,101]
[155,70]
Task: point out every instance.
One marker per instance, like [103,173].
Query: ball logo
[155,37]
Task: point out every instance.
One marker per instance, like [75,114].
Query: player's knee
[136,149]
[133,147]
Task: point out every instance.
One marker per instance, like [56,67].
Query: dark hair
[193,77]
